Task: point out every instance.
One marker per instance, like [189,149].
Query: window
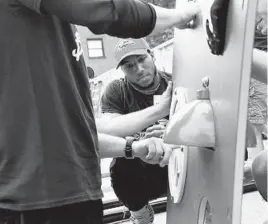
[95,48]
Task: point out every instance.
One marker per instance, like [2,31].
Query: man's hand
[165,100]
[186,13]
[261,17]
[154,131]
[153,151]
[179,17]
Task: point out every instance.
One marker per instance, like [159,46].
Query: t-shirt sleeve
[112,99]
[136,19]
[121,18]
[32,4]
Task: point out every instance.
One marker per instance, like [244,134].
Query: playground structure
[206,181]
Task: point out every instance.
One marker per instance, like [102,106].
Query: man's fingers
[167,154]
[188,13]
[168,91]
[155,133]
[262,27]
[172,146]
[151,150]
[159,150]
[155,127]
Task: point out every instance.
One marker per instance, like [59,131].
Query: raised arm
[115,122]
[132,123]
[179,17]
[121,18]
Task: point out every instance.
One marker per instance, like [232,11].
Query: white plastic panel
[177,171]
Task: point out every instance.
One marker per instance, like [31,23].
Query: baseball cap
[128,47]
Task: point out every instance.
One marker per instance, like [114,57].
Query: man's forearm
[120,18]
[259,65]
[150,150]
[166,18]
[111,146]
[130,124]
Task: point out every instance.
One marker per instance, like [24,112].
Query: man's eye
[142,59]
[129,66]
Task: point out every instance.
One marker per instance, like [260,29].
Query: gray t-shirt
[48,139]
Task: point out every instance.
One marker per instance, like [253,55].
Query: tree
[167,34]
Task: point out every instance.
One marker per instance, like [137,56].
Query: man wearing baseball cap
[132,107]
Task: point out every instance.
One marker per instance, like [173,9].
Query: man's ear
[151,53]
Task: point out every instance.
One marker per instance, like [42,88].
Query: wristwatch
[128,148]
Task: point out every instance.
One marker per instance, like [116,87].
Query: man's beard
[151,88]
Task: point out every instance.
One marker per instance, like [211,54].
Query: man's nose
[139,67]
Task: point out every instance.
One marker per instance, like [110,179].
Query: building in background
[98,50]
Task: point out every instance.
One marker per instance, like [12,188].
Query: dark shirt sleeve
[32,4]
[121,18]
[136,19]
[112,98]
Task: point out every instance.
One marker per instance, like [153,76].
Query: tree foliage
[167,34]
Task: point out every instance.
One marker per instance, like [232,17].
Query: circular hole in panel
[205,212]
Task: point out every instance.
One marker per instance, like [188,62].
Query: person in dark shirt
[49,146]
[131,106]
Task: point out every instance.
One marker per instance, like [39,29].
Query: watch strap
[128,148]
